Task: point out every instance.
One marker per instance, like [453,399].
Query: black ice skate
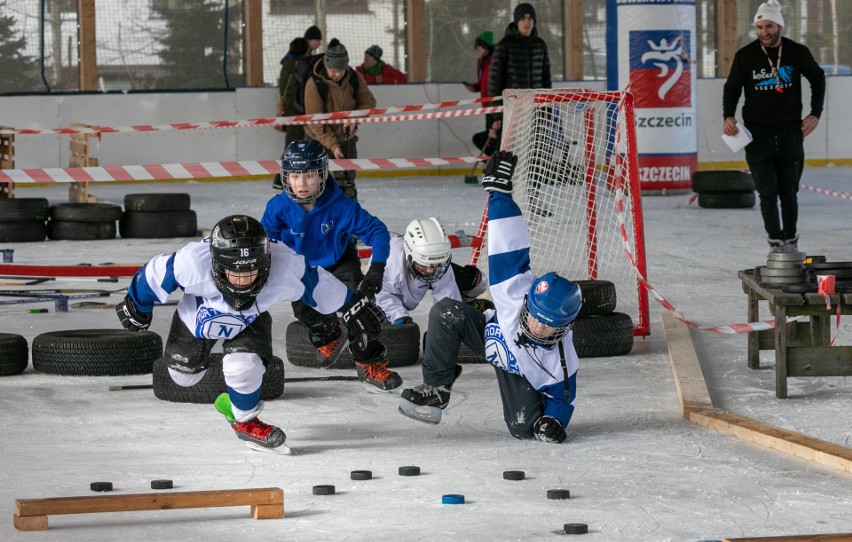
[426,403]
[377,377]
[328,354]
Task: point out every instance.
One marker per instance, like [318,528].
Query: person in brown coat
[334,86]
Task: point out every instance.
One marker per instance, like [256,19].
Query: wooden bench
[801,348]
[31,514]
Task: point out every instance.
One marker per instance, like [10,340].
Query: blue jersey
[510,279]
[202,308]
[322,234]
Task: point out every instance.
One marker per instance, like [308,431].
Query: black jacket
[766,109]
[519,62]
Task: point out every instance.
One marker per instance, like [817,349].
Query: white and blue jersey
[510,279]
[323,234]
[402,293]
[202,308]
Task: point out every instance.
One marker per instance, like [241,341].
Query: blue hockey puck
[452,499]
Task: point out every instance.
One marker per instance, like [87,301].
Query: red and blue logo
[660,68]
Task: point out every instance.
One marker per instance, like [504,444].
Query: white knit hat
[769,11]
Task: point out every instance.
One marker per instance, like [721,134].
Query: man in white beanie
[770,69]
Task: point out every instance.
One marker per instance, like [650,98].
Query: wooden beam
[31,514]
[572,39]
[689,380]
[415,18]
[726,36]
[692,392]
[86,47]
[253,40]
[834,537]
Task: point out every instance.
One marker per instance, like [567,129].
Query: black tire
[466,355]
[155,203]
[603,336]
[164,225]
[13,354]
[726,200]
[599,297]
[213,383]
[60,230]
[402,343]
[85,212]
[96,352]
[24,209]
[725,180]
[23,232]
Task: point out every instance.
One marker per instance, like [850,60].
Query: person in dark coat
[484,45]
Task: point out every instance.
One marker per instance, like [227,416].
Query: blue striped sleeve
[557,404]
[310,279]
[143,295]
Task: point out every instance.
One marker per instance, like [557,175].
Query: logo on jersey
[660,70]
[212,324]
[768,80]
[327,227]
[496,351]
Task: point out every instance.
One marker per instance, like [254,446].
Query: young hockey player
[419,261]
[314,218]
[527,337]
[229,281]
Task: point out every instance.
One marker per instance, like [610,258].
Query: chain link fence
[144,45]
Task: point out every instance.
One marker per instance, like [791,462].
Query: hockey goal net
[576,162]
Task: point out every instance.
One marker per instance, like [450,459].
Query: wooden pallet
[81,156]
[31,514]
[7,161]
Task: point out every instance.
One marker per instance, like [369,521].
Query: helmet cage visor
[533,322]
[321,174]
[428,273]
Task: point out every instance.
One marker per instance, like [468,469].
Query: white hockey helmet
[427,246]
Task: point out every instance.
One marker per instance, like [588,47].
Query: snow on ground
[636,470]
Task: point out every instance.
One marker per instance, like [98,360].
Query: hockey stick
[286,380]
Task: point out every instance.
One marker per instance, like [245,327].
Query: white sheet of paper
[738,142]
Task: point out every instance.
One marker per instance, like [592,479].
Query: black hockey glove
[481,305]
[130,316]
[372,282]
[548,429]
[363,318]
[498,172]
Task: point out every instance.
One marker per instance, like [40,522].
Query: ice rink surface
[635,468]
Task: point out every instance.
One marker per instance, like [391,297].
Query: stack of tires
[22,220]
[724,189]
[402,343]
[96,352]
[157,216]
[599,331]
[83,221]
[13,354]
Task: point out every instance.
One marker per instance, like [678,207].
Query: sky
[636,470]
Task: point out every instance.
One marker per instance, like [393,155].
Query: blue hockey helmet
[304,156]
[553,301]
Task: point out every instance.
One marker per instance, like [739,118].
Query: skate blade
[425,414]
[379,391]
[280,450]
[327,362]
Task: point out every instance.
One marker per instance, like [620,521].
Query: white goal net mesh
[575,148]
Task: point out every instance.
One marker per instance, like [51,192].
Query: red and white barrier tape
[841,195]
[283,121]
[413,116]
[209,170]
[725,329]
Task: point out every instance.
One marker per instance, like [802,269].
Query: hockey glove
[363,318]
[372,282]
[548,429]
[402,321]
[498,172]
[481,305]
[130,316]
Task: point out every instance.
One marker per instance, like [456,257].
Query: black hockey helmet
[302,156]
[239,243]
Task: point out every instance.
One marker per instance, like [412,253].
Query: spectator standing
[314,37]
[484,45]
[287,89]
[334,86]
[378,72]
[770,69]
[521,61]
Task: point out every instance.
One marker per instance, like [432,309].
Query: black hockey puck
[101,486]
[409,471]
[361,475]
[576,528]
[161,484]
[324,490]
[558,494]
[514,475]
